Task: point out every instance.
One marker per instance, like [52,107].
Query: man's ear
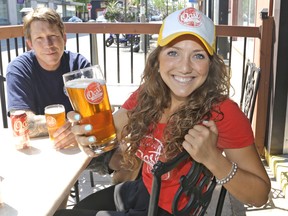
[29,44]
[65,39]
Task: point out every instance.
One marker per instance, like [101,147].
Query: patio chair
[250,85]
[74,192]
[189,185]
[199,201]
[3,101]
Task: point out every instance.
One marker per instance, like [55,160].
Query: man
[34,79]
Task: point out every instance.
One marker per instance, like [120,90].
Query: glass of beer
[55,118]
[88,95]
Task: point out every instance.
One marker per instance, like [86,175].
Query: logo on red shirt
[151,151]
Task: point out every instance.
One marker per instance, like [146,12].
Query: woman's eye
[172,53]
[199,56]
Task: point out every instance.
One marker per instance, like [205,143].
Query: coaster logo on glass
[88,95]
[94,93]
[55,118]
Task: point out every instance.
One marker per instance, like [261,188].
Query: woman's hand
[201,140]
[80,132]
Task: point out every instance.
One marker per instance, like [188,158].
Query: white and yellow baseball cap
[188,21]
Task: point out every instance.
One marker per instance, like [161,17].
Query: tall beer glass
[88,95]
[55,118]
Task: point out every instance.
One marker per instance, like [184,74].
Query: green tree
[116,12]
[113,11]
[161,6]
[166,7]
[82,9]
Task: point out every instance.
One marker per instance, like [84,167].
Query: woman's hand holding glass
[80,131]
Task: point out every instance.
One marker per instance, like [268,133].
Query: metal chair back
[250,84]
[199,193]
[3,101]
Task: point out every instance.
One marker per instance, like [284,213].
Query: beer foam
[54,110]
[82,83]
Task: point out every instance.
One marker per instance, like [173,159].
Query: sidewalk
[277,205]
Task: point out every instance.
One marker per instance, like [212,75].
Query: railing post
[94,50]
[261,115]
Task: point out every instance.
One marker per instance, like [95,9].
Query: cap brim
[163,42]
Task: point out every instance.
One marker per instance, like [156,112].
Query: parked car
[75,19]
[101,18]
[4,21]
[156,17]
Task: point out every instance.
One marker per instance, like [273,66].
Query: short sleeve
[131,102]
[234,127]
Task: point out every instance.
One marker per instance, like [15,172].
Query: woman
[182,104]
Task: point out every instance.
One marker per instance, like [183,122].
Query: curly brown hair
[154,97]
[42,14]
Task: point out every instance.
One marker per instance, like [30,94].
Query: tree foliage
[115,12]
[81,8]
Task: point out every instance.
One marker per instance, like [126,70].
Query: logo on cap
[190,17]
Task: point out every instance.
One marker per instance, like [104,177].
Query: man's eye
[53,37]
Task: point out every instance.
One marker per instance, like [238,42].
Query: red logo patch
[94,93]
[190,17]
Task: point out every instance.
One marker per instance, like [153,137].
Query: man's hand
[64,137]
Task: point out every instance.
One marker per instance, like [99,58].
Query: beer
[89,97]
[20,129]
[55,118]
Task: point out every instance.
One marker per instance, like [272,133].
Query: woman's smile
[184,65]
[183,80]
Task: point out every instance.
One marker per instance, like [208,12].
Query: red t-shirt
[234,132]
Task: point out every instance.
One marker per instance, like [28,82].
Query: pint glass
[88,95]
[55,118]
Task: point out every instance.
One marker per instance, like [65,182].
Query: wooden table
[36,180]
